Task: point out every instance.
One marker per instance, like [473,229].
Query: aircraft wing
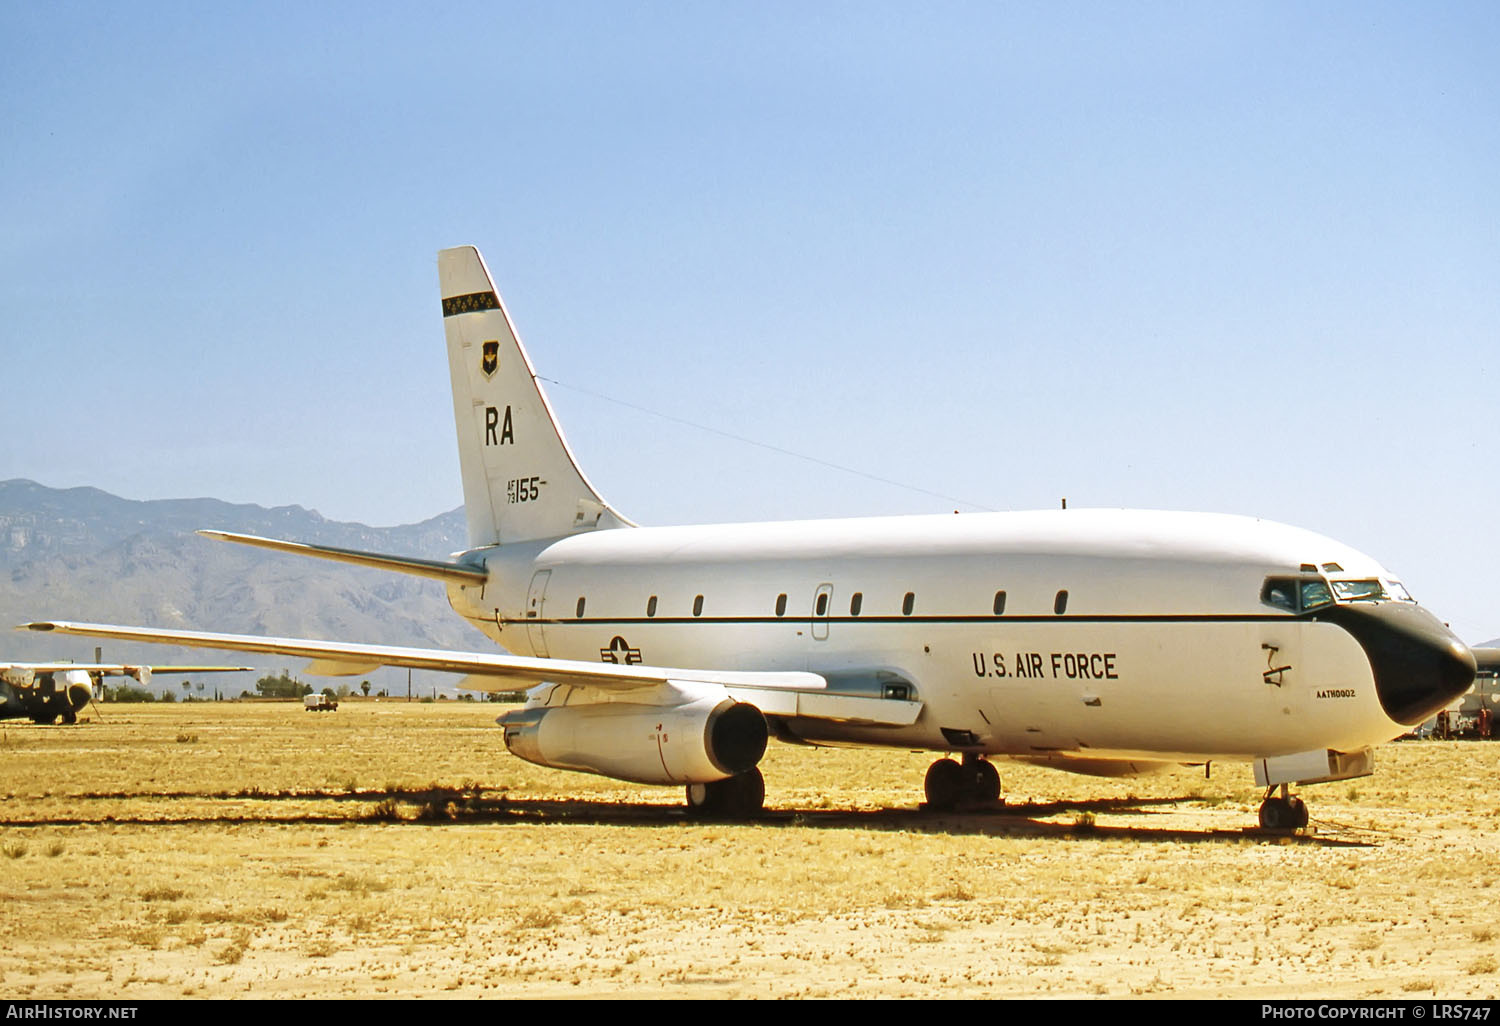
[792,693]
[119,669]
[25,674]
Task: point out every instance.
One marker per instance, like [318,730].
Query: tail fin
[520,479]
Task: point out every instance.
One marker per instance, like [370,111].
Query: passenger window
[1060,604]
[856,602]
[698,605]
[908,603]
[822,608]
[651,606]
[999,603]
[781,604]
[579,613]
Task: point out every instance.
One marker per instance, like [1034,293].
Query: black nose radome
[1419,665]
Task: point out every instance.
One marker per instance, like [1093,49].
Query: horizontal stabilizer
[454,573]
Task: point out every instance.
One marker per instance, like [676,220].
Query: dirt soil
[393,849]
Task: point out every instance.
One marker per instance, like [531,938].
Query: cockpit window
[1359,591]
[1399,592]
[1296,594]
[1315,594]
[1281,593]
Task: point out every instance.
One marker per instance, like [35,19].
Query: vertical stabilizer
[520,480]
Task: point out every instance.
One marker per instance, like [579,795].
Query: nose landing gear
[1282,812]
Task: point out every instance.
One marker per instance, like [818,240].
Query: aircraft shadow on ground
[438,808]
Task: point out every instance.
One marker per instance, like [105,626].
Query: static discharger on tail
[1099,641]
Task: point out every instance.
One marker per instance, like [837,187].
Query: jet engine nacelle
[695,742]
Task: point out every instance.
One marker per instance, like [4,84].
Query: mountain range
[84,554]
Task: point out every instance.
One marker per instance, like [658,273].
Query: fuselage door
[822,600]
[535,599]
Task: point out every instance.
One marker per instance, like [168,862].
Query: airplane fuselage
[1101,641]
[43,694]
[1061,635]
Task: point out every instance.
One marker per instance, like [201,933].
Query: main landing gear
[741,796]
[1283,812]
[951,784]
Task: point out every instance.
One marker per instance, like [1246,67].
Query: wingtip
[37,625]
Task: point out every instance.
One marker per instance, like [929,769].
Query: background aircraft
[48,692]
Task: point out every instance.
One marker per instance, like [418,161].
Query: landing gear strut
[950,784]
[1283,812]
[741,796]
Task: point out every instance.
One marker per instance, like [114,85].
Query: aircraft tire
[742,796]
[746,797]
[986,782]
[944,785]
[1283,814]
[703,799]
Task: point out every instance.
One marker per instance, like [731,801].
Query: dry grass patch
[162,894]
[232,951]
[359,884]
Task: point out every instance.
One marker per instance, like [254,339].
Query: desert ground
[394,849]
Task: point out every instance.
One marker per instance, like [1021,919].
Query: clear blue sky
[1231,257]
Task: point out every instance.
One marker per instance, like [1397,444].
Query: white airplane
[1098,641]
[48,692]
